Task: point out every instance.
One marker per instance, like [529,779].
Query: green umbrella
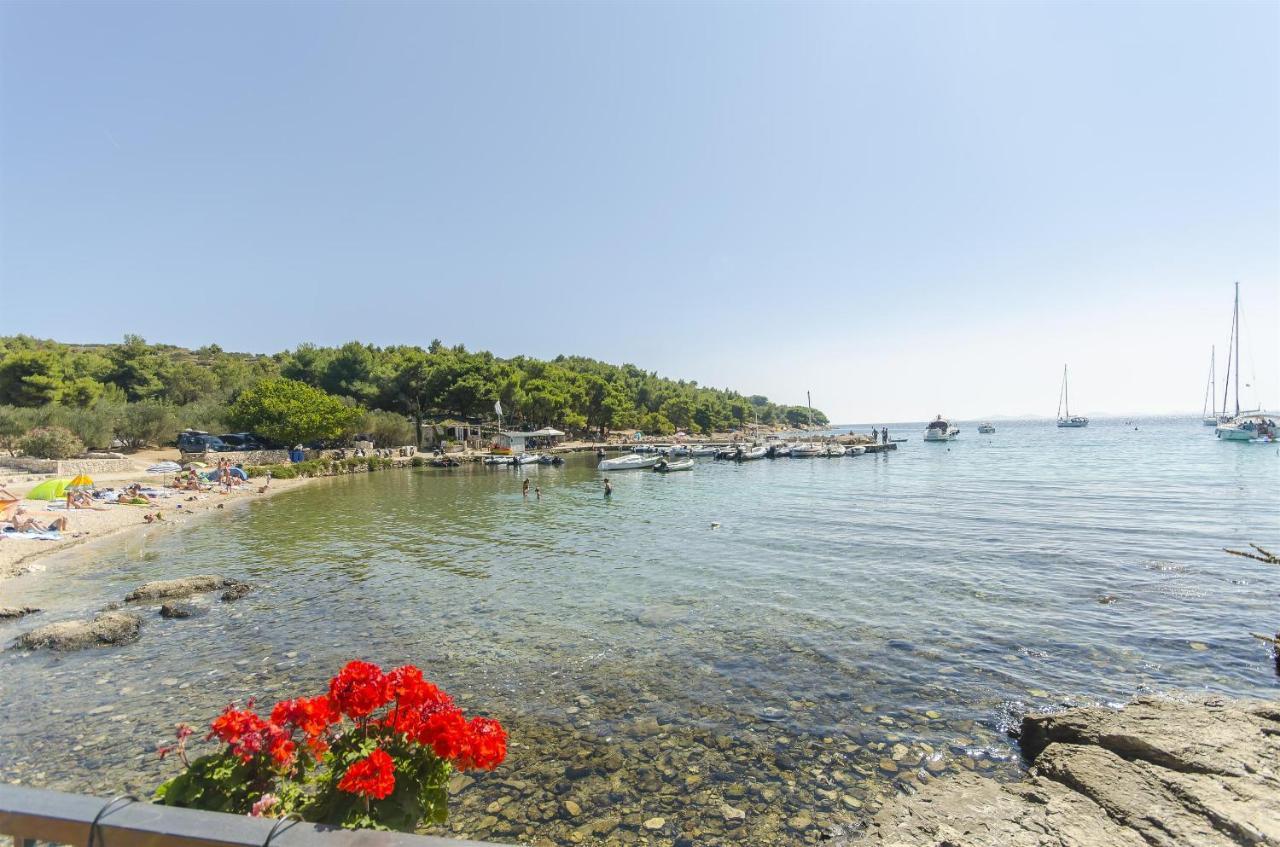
[50,489]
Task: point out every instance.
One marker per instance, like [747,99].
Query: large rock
[106,628]
[9,612]
[1157,772]
[167,588]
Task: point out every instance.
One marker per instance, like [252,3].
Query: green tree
[135,367]
[14,423]
[31,378]
[147,422]
[286,411]
[187,381]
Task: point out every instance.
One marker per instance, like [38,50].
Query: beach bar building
[512,443]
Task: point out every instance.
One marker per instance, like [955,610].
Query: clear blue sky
[906,208]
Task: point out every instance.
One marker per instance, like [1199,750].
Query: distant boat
[940,430]
[703,450]
[668,466]
[1247,426]
[525,459]
[986,428]
[635,461]
[1209,413]
[750,454]
[547,459]
[806,450]
[1068,420]
[835,450]
[855,450]
[1259,427]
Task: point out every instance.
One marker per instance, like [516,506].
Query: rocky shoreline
[1156,772]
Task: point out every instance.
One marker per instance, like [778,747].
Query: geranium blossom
[373,776]
[359,689]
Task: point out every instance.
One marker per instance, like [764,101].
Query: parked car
[243,441]
[197,441]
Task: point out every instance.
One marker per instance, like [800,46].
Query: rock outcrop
[166,589]
[106,628]
[11,612]
[1157,772]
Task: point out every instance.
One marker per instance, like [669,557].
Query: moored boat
[635,461]
[671,466]
[834,450]
[547,459]
[806,450]
[1068,421]
[940,430]
[703,450]
[855,450]
[1250,426]
[750,454]
[525,459]
[986,428]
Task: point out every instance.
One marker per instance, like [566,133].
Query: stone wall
[240,457]
[67,467]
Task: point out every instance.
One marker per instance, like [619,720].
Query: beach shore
[88,527]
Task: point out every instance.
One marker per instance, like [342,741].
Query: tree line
[144,393]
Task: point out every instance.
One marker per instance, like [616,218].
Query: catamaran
[1064,405]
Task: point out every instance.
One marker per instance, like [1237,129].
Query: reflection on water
[749,652]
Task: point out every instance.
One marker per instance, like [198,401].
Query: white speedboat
[1068,421]
[750,454]
[497,460]
[703,450]
[635,461]
[525,459]
[940,430]
[855,450]
[1250,426]
[806,450]
[986,428]
[667,466]
[834,450]
[676,450]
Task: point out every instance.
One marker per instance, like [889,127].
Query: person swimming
[608,488]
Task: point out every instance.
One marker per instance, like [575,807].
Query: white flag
[497,407]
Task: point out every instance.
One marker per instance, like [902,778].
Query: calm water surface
[791,639]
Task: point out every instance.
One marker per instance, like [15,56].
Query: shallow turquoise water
[1029,568]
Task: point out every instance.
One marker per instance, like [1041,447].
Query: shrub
[51,442]
[388,429]
[375,751]
[147,422]
[286,411]
[417,462]
[15,422]
[95,425]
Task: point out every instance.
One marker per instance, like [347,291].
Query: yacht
[1064,405]
[940,430]
[986,428]
[1250,426]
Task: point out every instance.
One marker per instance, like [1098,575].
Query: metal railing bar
[62,818]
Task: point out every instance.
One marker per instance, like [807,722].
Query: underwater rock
[167,588]
[107,628]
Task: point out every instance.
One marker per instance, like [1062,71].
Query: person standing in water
[608,489]
[524,489]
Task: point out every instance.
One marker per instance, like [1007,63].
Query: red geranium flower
[373,776]
[359,689]
[241,729]
[487,744]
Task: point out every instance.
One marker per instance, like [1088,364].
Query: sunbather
[77,499]
[22,522]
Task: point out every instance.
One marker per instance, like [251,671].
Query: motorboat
[526,459]
[644,448]
[668,466]
[1250,426]
[855,450]
[750,454]
[940,430]
[776,449]
[497,460]
[676,450]
[703,450]
[986,428]
[635,461]
[834,450]
[547,459]
[1068,421]
[807,450]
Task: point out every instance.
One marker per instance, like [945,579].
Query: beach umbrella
[189,465]
[81,481]
[50,489]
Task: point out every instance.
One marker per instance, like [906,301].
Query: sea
[742,653]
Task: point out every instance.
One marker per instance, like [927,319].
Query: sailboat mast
[1236,322]
[808,398]
[1066,392]
[1226,387]
[1213,385]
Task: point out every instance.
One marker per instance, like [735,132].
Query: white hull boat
[855,450]
[835,450]
[526,459]
[940,430]
[1251,426]
[753,453]
[666,466]
[806,451]
[1074,422]
[703,451]
[635,461]
[1066,420]
[986,428]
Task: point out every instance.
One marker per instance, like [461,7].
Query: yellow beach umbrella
[81,481]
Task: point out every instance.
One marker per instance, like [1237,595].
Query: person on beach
[30,524]
[884,435]
[524,489]
[608,489]
[77,499]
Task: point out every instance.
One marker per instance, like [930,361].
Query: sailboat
[1209,413]
[811,448]
[1064,405]
[1249,426]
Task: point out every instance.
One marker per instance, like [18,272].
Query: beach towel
[33,535]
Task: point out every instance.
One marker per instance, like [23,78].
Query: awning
[547,431]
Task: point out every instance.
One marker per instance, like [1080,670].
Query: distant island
[137,393]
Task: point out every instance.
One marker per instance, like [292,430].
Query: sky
[906,209]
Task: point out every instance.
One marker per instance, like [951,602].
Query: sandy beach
[90,527]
